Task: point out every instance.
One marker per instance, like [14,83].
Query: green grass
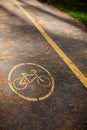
[75,10]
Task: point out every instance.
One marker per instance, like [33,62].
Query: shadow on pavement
[73,22]
[66,108]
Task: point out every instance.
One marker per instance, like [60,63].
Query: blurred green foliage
[75,8]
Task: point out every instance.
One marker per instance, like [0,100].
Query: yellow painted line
[64,57]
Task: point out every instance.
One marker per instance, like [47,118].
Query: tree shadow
[44,113]
[29,32]
[72,22]
[11,14]
[46,1]
[42,1]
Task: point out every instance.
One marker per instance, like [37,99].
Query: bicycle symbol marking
[31,85]
[42,81]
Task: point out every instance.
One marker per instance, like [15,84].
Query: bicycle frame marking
[34,74]
[25,81]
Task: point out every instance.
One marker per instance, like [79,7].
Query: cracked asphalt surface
[21,42]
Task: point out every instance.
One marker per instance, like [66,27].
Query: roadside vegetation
[76,8]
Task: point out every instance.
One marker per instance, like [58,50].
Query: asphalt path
[39,88]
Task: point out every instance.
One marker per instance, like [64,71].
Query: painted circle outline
[27,98]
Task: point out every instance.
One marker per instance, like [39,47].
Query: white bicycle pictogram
[22,83]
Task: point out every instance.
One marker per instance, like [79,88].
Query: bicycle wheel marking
[31,81]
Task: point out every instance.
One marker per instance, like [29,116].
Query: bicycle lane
[20,46]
